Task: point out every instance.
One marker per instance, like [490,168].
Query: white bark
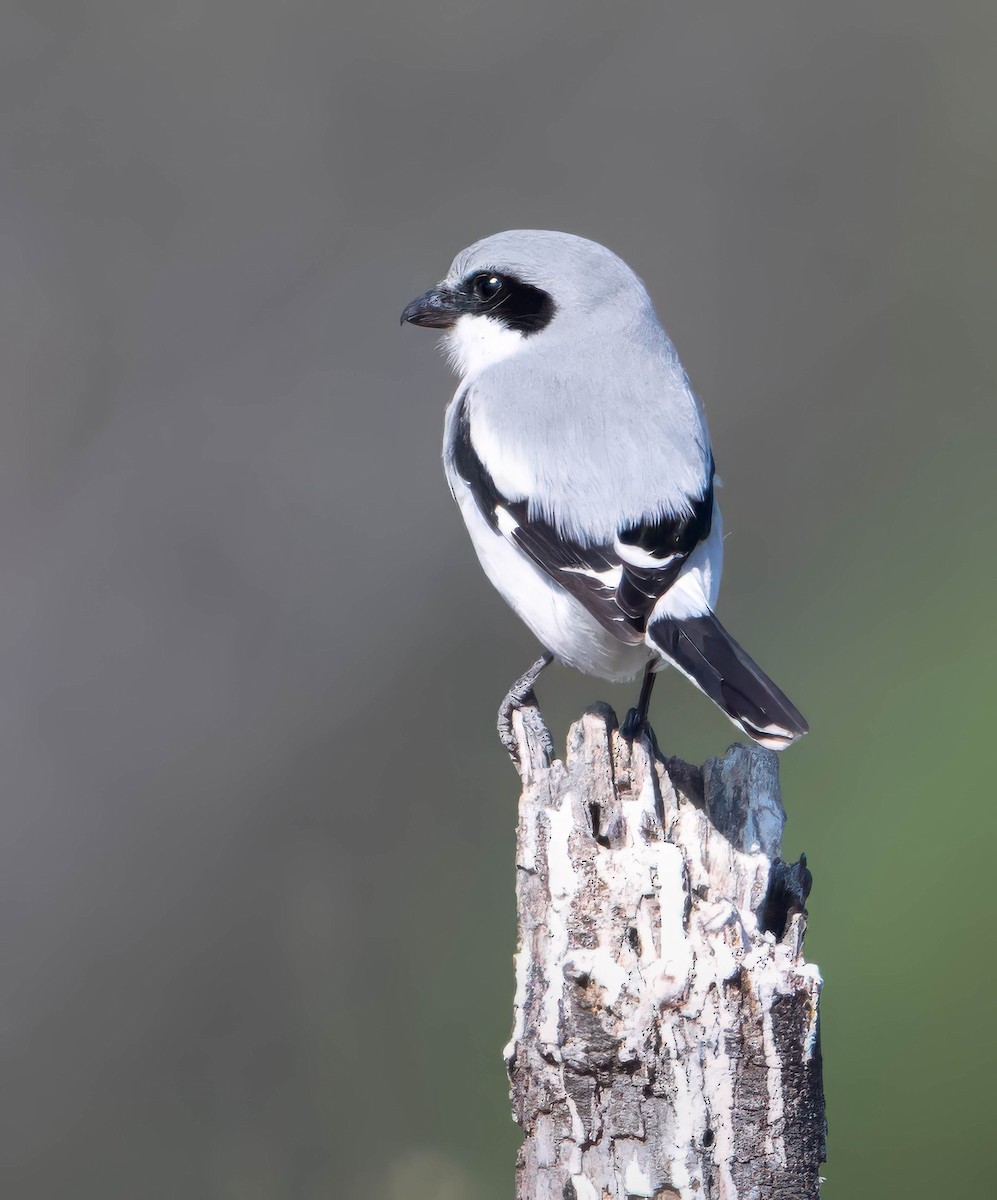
[665,1044]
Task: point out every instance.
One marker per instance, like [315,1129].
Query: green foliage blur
[257,834]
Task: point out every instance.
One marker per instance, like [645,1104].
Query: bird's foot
[789,887]
[522,697]
[535,728]
[636,726]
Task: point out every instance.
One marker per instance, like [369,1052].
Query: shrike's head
[525,288]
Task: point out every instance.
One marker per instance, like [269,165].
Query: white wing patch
[609,578]
[634,556]
[507,523]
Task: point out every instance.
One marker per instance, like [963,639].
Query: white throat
[475,343]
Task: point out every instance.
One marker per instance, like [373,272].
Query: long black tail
[704,651]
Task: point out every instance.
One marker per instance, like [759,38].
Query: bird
[580,460]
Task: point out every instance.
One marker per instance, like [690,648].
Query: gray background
[256,835]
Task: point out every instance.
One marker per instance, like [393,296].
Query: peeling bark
[666,1037]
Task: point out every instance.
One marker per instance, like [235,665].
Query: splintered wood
[666,1033]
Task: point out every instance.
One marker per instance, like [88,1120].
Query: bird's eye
[486,287]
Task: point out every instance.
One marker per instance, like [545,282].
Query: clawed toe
[522,696]
[510,704]
[633,725]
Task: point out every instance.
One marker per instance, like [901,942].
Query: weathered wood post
[666,1039]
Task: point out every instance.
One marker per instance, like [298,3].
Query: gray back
[595,412]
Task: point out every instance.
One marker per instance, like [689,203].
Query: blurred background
[256,832]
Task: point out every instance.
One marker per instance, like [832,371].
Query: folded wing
[619,583]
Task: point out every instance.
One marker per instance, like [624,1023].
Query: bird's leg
[521,695]
[636,719]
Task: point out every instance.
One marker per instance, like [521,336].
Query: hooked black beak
[435,309]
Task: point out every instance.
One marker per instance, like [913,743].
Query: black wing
[618,583]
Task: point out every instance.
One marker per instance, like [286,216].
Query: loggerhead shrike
[582,466]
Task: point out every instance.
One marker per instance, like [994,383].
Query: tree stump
[666,1039]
